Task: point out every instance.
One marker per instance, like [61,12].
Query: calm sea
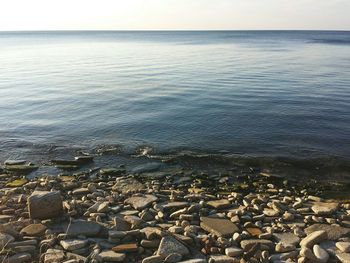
[247,93]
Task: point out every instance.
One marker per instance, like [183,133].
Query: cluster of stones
[114,217]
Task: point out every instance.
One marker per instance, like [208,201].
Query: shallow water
[279,93]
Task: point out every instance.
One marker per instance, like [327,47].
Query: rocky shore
[178,215]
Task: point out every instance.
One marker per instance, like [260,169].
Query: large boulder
[45,205]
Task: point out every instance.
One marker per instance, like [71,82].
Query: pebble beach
[108,214]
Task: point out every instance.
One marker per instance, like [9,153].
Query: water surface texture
[279,93]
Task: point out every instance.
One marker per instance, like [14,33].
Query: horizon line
[167,30]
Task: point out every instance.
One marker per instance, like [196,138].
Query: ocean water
[245,93]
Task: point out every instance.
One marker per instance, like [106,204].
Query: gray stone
[173,258]
[125,185]
[333,232]
[218,226]
[169,245]
[321,208]
[313,238]
[249,243]
[33,230]
[73,244]
[5,239]
[45,205]
[321,254]
[286,238]
[343,246]
[17,258]
[112,256]
[233,251]
[53,256]
[219,204]
[141,202]
[221,259]
[343,257]
[153,259]
[82,227]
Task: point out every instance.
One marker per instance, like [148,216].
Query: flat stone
[218,226]
[81,191]
[5,239]
[249,243]
[54,256]
[286,238]
[112,256]
[333,232]
[45,205]
[5,218]
[313,238]
[233,251]
[153,259]
[221,259]
[15,162]
[194,260]
[343,246]
[219,204]
[126,248]
[34,230]
[173,205]
[270,212]
[141,202]
[321,208]
[343,257]
[112,171]
[82,227]
[169,245]
[173,258]
[254,231]
[21,169]
[73,244]
[17,258]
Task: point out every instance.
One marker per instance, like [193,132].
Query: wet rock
[169,245]
[218,226]
[141,202]
[111,256]
[34,230]
[314,238]
[50,201]
[15,162]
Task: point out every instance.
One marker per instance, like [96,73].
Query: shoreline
[178,214]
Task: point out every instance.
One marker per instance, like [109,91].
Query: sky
[174,14]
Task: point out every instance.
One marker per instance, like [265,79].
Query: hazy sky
[174,14]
